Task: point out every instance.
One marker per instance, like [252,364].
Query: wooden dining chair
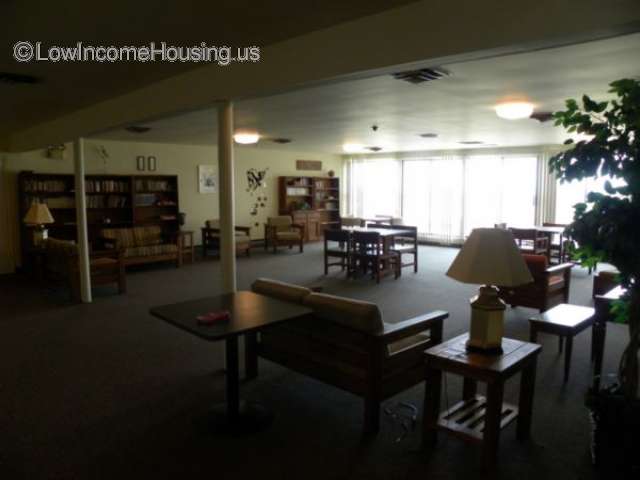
[560,245]
[337,244]
[530,241]
[367,253]
[406,243]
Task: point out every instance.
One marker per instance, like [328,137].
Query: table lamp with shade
[489,257]
[38,216]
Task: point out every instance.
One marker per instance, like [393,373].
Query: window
[432,198]
[499,189]
[374,187]
[570,193]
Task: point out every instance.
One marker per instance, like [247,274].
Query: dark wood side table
[188,248]
[477,418]
[250,313]
[599,332]
[563,320]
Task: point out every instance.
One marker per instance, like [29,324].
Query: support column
[81,221]
[227,197]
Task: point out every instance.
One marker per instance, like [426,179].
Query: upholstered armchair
[211,238]
[549,288]
[281,231]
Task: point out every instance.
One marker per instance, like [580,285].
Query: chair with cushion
[211,238]
[346,343]
[281,231]
[352,222]
[143,244]
[337,244]
[549,288]
[530,241]
[62,264]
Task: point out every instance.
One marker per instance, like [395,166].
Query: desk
[250,313]
[477,418]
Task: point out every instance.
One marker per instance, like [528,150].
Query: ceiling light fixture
[352,147]
[374,149]
[246,138]
[429,135]
[514,110]
[137,129]
[281,140]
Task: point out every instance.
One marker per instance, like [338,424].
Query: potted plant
[606,228]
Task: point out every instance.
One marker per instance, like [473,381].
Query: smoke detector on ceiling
[421,76]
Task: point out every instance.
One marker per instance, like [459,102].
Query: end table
[477,418]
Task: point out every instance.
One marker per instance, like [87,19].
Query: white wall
[181,160]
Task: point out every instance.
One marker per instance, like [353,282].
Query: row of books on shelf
[153,185]
[106,186]
[37,185]
[110,201]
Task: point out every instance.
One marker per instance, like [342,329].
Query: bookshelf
[311,201]
[112,201]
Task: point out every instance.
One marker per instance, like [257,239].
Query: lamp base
[40,236]
[487,322]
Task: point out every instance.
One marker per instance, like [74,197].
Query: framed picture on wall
[207,179]
[140,163]
[151,164]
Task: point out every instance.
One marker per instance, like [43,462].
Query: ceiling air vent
[471,142]
[422,75]
[18,79]
[374,149]
[137,129]
[542,116]
[281,140]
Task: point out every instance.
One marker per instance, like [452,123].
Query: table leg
[469,388]
[491,436]
[599,333]
[431,410]
[233,378]
[251,355]
[567,357]
[525,403]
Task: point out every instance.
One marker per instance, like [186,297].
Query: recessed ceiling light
[352,147]
[281,140]
[514,110]
[246,138]
[137,129]
[429,135]
[470,142]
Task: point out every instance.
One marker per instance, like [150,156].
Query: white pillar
[227,195]
[81,221]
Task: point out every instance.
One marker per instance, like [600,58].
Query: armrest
[245,230]
[413,326]
[298,226]
[563,267]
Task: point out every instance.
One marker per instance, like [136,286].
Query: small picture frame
[140,163]
[151,164]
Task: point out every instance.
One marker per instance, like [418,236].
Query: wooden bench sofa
[345,343]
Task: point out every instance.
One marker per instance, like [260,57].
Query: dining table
[387,235]
[242,313]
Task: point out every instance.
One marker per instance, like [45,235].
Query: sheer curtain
[500,189]
[432,198]
[374,187]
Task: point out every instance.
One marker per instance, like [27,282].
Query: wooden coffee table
[565,321]
[477,418]
[250,313]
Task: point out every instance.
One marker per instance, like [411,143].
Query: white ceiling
[457,108]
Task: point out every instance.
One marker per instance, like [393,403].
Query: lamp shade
[38,214]
[490,257]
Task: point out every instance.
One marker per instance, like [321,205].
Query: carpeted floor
[106,391]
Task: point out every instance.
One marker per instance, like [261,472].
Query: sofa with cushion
[346,343]
[549,288]
[145,244]
[211,238]
[61,263]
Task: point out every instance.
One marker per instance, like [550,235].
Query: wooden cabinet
[312,201]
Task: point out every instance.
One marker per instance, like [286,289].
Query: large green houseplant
[606,228]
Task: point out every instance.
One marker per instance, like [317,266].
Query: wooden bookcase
[112,201]
[311,201]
